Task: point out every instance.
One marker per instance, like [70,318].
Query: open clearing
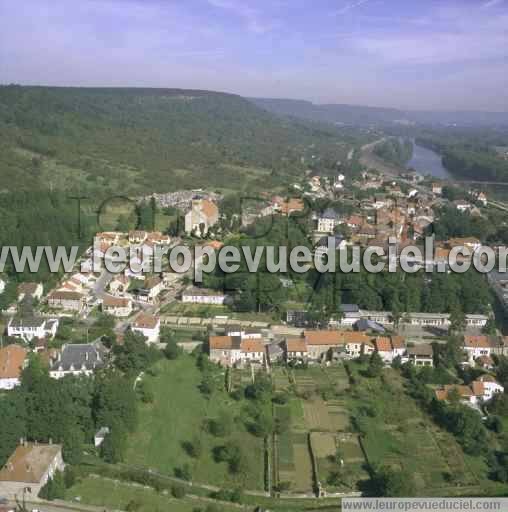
[177,416]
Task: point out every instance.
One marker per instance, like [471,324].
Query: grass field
[120,496]
[397,433]
[177,416]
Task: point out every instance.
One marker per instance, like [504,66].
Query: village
[296,353]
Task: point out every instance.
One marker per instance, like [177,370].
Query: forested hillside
[141,140]
[358,115]
[56,143]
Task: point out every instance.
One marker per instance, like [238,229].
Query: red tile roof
[12,358]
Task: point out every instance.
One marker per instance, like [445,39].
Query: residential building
[477,346]
[253,350]
[225,350]
[464,393]
[481,390]
[442,320]
[107,238]
[291,205]
[383,346]
[29,468]
[194,295]
[119,284]
[398,346]
[117,306]
[486,387]
[29,328]
[419,355]
[232,350]
[202,216]
[356,344]
[327,221]
[437,189]
[350,314]
[67,300]
[78,360]
[137,236]
[321,341]
[151,289]
[275,352]
[30,290]
[296,348]
[148,326]
[12,362]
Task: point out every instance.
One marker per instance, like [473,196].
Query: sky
[410,54]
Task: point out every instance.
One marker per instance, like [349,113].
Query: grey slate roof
[80,357]
[329,213]
[28,322]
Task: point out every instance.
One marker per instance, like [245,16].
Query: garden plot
[316,415]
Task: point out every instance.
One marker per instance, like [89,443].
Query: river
[425,161]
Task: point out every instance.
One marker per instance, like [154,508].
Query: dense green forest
[141,140]
[395,151]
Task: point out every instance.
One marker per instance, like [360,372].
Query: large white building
[29,328]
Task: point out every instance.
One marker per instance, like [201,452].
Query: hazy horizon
[446,55]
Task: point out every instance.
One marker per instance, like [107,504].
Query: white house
[486,387]
[477,346]
[148,326]
[117,306]
[327,221]
[225,350]
[419,355]
[12,362]
[230,350]
[29,328]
